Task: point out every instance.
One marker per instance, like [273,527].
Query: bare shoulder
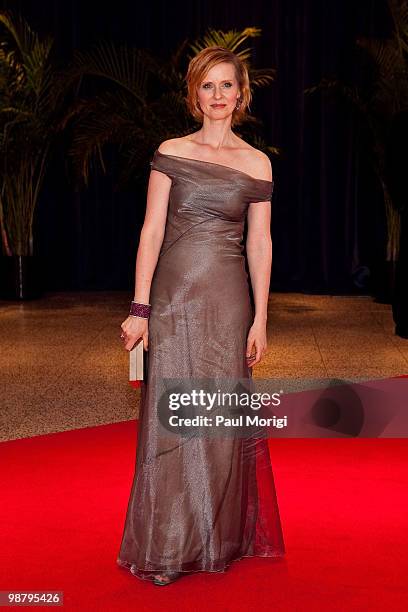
[172,146]
[257,163]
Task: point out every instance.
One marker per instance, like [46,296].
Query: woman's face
[219,91]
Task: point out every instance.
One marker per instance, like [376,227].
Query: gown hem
[145,573]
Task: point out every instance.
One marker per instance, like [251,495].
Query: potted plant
[27,118]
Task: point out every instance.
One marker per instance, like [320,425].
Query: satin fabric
[198,504]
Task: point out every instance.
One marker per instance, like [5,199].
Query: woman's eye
[208,85]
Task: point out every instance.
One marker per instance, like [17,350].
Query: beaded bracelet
[140,310]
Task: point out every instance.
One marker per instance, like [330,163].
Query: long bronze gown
[199,504]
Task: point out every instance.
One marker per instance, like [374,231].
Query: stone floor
[63,365]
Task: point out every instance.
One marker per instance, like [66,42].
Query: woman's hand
[134,328]
[256,343]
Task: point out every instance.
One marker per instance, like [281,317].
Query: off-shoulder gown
[201,504]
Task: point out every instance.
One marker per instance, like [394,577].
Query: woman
[200,502]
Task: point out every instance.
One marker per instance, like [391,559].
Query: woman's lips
[218,105]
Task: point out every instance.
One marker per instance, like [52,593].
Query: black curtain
[328,222]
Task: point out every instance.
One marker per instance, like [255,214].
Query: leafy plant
[381,95]
[133,100]
[27,113]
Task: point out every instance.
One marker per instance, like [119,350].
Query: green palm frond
[348,92]
[19,31]
[399,14]
[231,40]
[385,54]
[96,127]
[262,77]
[260,143]
[176,58]
[28,50]
[127,68]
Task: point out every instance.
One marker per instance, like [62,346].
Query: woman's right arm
[151,239]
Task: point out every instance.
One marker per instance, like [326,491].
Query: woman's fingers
[129,340]
[146,341]
[249,351]
[132,343]
[258,353]
[254,352]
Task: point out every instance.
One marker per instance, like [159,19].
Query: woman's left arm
[259,254]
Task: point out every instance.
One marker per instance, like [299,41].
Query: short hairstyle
[200,65]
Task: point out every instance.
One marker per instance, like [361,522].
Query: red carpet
[343,506]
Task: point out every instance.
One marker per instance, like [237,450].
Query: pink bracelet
[140,310]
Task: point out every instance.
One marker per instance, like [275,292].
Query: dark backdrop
[328,223]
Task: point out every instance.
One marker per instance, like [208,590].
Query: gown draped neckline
[202,161]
